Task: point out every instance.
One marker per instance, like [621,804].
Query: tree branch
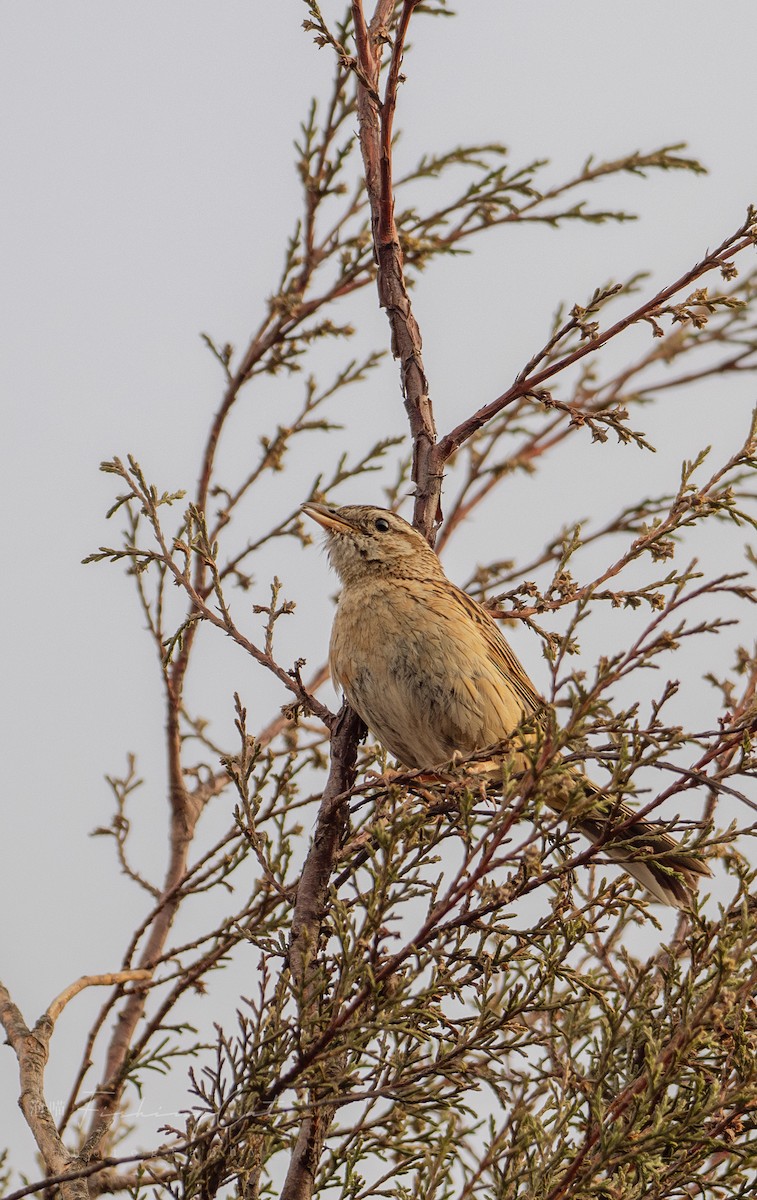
[528,381]
[375,131]
[32,1047]
[309,911]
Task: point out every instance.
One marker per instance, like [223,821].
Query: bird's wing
[501,655]
[477,691]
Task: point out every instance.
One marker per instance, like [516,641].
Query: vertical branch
[375,118]
[375,125]
[306,927]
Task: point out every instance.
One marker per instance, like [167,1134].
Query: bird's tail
[643,848]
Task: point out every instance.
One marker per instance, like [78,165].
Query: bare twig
[528,381]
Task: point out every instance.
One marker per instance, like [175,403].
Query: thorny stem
[375,128]
[375,131]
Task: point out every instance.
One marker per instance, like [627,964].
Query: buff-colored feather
[431,675]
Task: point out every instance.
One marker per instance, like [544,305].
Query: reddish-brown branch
[375,118]
[387,230]
[309,912]
[526,382]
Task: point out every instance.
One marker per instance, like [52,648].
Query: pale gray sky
[147,189]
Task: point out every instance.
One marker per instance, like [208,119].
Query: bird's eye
[382,524]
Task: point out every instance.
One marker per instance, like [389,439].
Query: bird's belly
[404,710]
[420,692]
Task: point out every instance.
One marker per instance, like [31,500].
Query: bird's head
[365,541]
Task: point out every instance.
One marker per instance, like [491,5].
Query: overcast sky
[147,190]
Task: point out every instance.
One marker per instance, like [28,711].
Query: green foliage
[474,1016]
[474,1002]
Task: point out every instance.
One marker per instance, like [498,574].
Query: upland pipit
[430,674]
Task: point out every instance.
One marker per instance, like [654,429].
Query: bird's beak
[328,518]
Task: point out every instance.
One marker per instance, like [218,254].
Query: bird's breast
[418,671]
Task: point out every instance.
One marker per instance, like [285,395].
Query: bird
[429,672]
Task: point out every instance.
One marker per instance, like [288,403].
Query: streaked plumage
[431,675]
